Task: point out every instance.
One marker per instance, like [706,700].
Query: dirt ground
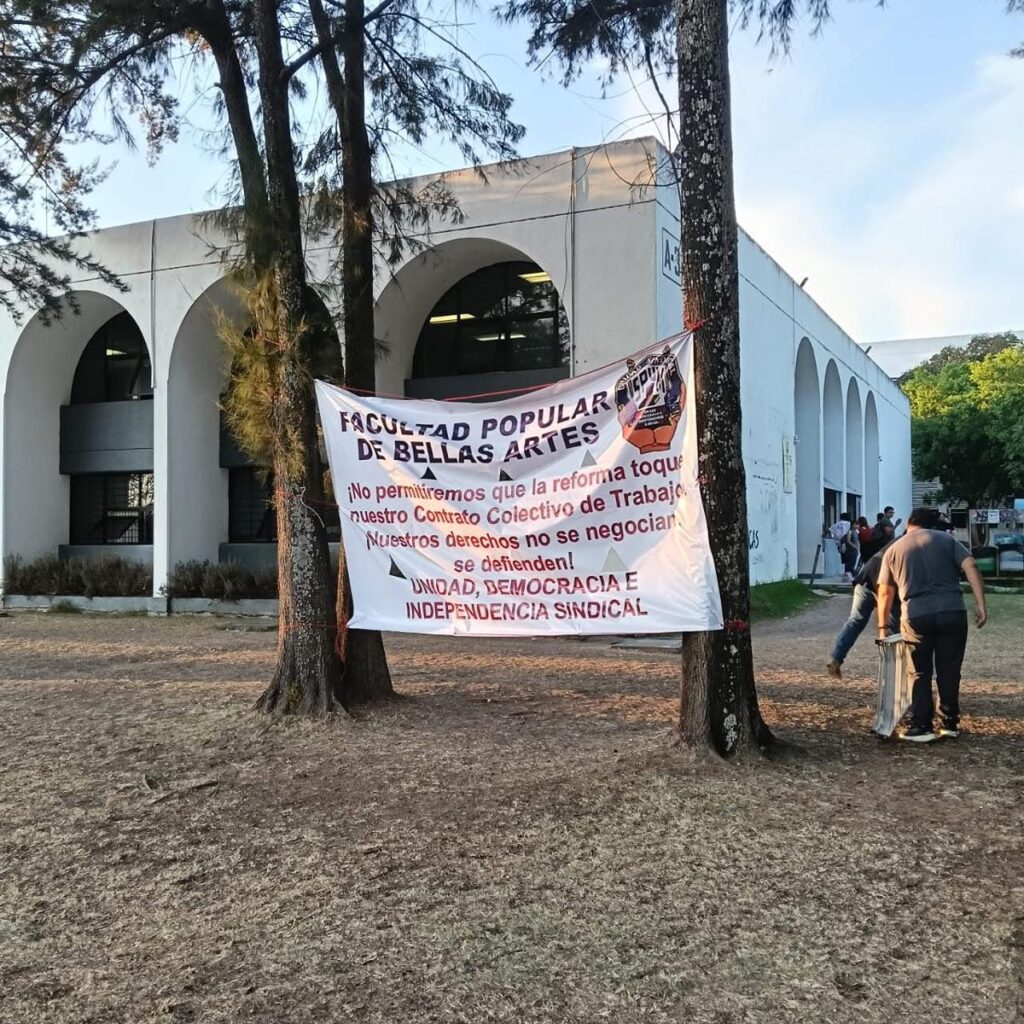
[514,840]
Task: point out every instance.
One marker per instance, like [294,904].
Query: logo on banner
[650,397]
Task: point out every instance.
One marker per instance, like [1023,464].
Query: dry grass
[514,841]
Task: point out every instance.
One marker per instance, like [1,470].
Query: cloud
[908,225]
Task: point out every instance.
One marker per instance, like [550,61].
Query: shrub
[107,576]
[64,608]
[220,581]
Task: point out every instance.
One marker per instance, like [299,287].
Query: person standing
[923,569]
[861,610]
[840,533]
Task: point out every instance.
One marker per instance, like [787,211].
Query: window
[252,518]
[115,365]
[112,508]
[251,515]
[853,506]
[501,318]
[831,507]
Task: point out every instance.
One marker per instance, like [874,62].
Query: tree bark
[366,675]
[215,27]
[718,699]
[306,678]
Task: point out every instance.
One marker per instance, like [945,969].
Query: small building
[111,430]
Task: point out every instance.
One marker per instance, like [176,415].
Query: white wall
[603,222]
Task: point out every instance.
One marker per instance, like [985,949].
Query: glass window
[115,365]
[503,317]
[251,515]
[112,508]
[252,518]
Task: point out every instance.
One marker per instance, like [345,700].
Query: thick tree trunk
[366,675]
[306,678]
[718,702]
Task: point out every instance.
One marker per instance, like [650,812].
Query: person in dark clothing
[861,610]
[923,569]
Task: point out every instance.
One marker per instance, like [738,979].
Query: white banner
[572,509]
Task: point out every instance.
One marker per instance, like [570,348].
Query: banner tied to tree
[573,509]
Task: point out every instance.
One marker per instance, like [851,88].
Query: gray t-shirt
[924,566]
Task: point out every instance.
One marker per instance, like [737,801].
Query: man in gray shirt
[923,567]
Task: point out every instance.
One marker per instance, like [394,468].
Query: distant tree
[977,348]
[690,38]
[967,408]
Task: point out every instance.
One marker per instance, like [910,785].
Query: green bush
[64,608]
[220,581]
[107,576]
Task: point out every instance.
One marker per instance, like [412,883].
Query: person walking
[923,569]
[861,611]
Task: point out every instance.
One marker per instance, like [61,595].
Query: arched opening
[220,503]
[854,452]
[80,389]
[871,453]
[197,491]
[808,458]
[834,445]
[469,316]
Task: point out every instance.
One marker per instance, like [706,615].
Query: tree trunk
[306,678]
[718,701]
[366,675]
[215,27]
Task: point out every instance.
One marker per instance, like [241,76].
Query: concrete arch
[37,383]
[406,300]
[832,415]
[194,512]
[854,442]
[807,406]
[871,456]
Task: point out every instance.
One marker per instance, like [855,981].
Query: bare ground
[513,841]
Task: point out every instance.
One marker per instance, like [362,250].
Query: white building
[110,435]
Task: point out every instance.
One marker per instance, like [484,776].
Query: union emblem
[650,397]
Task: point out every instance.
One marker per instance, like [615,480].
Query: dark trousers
[937,643]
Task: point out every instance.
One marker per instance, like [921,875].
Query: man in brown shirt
[923,567]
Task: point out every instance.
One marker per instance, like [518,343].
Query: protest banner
[573,509]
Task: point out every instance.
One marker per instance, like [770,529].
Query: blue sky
[883,159]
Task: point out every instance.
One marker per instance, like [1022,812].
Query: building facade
[110,429]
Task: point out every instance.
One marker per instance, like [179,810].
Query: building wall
[776,318]
[603,222]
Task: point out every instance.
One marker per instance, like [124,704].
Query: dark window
[251,515]
[831,507]
[504,317]
[252,518]
[114,366]
[112,508]
[853,506]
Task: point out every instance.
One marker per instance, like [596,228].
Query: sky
[883,159]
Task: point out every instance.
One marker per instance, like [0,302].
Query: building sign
[985,516]
[788,463]
[573,509]
[671,260]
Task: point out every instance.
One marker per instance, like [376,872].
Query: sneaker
[918,735]
[834,669]
[950,732]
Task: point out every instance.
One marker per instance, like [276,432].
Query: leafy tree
[85,69]
[967,407]
[977,348]
[689,38]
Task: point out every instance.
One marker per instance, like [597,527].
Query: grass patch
[1008,608]
[779,600]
